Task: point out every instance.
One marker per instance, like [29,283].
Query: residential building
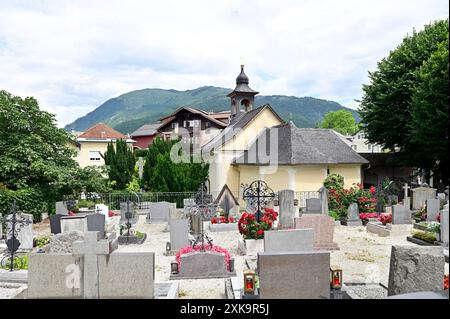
[94,142]
[145,135]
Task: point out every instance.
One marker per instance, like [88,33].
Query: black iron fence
[143,200]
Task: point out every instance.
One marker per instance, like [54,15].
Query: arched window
[245,105]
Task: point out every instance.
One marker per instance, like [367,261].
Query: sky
[74,55]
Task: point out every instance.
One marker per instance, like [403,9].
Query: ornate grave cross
[13,243]
[406,187]
[258,195]
[204,206]
[128,216]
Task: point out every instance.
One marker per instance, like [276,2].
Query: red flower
[260,232]
[446,282]
[372,190]
[70,213]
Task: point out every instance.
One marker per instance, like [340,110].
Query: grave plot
[128,234]
[396,224]
[202,259]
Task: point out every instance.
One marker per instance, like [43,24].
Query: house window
[207,124]
[185,123]
[94,156]
[369,147]
[355,147]
[174,125]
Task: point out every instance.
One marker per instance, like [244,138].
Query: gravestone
[433,206]
[55,223]
[420,195]
[206,264]
[442,199]
[401,215]
[123,211]
[294,275]
[160,212]
[126,275]
[444,225]
[295,240]
[353,215]
[74,223]
[102,209]
[287,208]
[415,268]
[226,200]
[323,230]
[96,222]
[24,233]
[313,206]
[61,208]
[92,271]
[90,249]
[323,196]
[188,204]
[54,276]
[179,233]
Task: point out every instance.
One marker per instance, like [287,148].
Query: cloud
[74,55]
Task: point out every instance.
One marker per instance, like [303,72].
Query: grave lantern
[174,267]
[168,247]
[335,277]
[231,265]
[249,282]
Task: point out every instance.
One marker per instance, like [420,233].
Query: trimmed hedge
[28,201]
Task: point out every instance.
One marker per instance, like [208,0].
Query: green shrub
[85,204]
[425,236]
[41,241]
[334,214]
[140,153]
[20,262]
[139,234]
[334,181]
[28,201]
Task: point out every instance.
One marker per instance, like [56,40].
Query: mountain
[131,110]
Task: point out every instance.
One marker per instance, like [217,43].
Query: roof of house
[299,146]
[240,123]
[213,117]
[146,130]
[102,131]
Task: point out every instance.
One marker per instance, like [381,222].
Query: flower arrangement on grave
[198,248]
[446,282]
[434,227]
[421,215]
[385,218]
[339,199]
[366,216]
[222,219]
[249,228]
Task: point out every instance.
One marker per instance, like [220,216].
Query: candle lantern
[249,282]
[335,277]
[174,267]
[231,268]
[168,247]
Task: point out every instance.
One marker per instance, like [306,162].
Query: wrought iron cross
[128,216]
[13,243]
[204,206]
[258,195]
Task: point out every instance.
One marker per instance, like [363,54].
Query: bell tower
[242,97]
